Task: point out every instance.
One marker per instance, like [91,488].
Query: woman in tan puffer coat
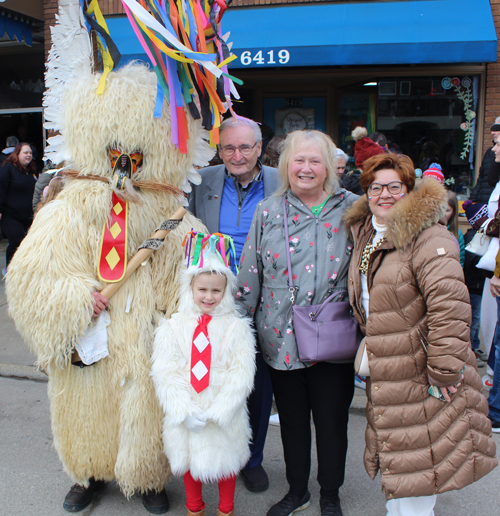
[407,290]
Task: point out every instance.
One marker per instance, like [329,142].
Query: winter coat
[320,253]
[16,193]
[43,181]
[418,328]
[364,149]
[350,181]
[474,277]
[482,191]
[221,448]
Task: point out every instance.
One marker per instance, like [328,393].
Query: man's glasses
[393,188]
[245,150]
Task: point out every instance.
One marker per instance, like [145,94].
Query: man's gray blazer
[205,198]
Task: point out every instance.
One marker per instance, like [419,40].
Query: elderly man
[225,201]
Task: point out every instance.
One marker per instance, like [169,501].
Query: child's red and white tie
[201,355]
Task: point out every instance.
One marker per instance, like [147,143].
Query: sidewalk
[33,483]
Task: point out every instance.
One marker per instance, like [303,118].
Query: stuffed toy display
[125,170]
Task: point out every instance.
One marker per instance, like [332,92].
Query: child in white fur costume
[206,434]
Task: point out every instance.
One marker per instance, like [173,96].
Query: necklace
[367,252]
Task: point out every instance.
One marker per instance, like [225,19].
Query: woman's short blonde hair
[328,152]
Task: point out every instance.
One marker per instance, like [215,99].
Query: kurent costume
[221,448]
[418,328]
[106,419]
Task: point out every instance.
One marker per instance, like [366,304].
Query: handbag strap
[314,315]
[291,287]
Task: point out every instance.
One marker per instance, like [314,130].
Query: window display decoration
[465,95]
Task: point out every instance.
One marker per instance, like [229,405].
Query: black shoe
[156,503]
[255,479]
[330,508]
[495,426]
[79,497]
[290,504]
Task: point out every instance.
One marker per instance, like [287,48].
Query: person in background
[429,154]
[380,139]
[341,164]
[271,157]
[267,136]
[494,395]
[319,254]
[364,147]
[427,430]
[450,220]
[17,183]
[11,143]
[435,171]
[50,192]
[482,191]
[48,173]
[225,202]
[474,279]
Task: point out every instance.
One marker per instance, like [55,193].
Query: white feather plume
[69,60]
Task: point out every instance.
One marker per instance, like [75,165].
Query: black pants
[326,390]
[15,230]
[260,403]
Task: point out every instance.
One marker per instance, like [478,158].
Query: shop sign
[261,57]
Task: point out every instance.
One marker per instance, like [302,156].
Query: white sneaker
[487,381]
[274,420]
[360,382]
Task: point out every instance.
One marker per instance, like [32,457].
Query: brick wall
[492,82]
[50,8]
[111,7]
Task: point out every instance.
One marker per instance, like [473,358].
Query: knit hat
[475,212]
[365,148]
[435,171]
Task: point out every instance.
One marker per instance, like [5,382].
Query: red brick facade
[50,8]
[492,82]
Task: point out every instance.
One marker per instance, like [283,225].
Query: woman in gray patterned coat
[320,255]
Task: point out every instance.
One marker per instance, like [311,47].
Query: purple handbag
[323,332]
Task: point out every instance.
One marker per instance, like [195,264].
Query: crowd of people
[304,229]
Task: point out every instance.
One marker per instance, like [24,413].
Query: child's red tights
[194,500]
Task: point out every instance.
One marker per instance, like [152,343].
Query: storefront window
[430,119]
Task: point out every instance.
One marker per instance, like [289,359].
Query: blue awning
[376,33]
[16,29]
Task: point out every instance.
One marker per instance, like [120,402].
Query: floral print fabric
[320,250]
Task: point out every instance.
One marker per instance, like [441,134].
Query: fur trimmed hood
[420,209]
[212,264]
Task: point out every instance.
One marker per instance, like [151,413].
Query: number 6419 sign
[267,58]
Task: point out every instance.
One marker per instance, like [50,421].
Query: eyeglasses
[245,150]
[394,187]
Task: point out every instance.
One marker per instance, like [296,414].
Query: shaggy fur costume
[221,448]
[106,419]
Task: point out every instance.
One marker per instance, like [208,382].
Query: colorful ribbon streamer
[195,245]
[108,50]
[182,39]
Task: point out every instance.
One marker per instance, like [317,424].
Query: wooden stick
[140,257]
